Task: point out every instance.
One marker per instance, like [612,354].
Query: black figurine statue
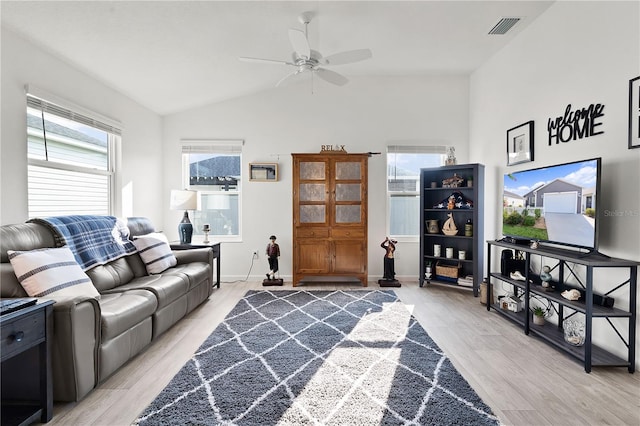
[389,277]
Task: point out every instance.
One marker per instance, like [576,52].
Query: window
[71,166]
[403,180]
[213,168]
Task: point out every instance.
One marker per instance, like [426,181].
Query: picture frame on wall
[520,144]
[263,172]
[634,113]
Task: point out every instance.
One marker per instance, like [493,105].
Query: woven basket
[449,271]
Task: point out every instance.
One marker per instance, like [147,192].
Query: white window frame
[230,146]
[407,149]
[54,105]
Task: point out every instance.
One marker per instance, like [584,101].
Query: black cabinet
[27,390]
[591,305]
[461,253]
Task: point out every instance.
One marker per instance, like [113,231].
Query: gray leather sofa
[94,337]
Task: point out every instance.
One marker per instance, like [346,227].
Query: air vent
[504,25]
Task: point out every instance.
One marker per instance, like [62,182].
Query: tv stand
[567,261]
[516,241]
[595,254]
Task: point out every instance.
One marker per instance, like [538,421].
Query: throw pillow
[155,252]
[51,273]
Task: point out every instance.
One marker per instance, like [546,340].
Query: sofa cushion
[155,252]
[121,311]
[166,288]
[139,226]
[9,284]
[24,237]
[137,265]
[195,272]
[51,273]
[111,275]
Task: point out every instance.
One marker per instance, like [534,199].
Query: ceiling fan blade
[331,76]
[299,43]
[348,57]
[286,79]
[264,61]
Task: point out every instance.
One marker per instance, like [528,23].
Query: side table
[213,245]
[27,388]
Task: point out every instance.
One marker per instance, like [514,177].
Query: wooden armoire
[330,217]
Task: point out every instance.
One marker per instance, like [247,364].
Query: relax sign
[577,124]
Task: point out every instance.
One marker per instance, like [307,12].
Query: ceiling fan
[306,60]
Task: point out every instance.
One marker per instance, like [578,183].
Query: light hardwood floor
[522,379]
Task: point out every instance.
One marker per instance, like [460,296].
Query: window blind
[45,106]
[54,192]
[233,146]
[416,149]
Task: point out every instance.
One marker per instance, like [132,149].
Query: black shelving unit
[432,193]
[589,354]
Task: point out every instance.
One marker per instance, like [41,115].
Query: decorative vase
[468,228]
[432,226]
[185,229]
[574,332]
[538,320]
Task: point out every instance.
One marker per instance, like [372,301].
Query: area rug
[322,358]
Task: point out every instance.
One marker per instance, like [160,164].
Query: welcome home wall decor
[578,124]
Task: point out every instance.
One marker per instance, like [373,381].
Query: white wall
[364,115]
[141,156]
[578,53]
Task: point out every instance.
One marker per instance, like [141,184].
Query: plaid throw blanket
[93,240]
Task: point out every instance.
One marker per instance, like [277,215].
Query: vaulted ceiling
[171,56]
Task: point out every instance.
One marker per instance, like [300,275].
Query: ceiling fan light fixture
[306,17]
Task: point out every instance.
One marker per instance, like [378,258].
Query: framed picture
[263,172]
[520,144]
[634,113]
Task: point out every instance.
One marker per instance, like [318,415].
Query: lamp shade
[183,199]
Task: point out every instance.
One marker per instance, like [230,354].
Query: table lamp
[184,200]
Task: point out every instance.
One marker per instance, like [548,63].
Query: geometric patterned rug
[319,358]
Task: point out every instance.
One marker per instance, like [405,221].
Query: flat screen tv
[557,204]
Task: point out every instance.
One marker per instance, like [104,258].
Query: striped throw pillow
[155,252]
[51,273]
